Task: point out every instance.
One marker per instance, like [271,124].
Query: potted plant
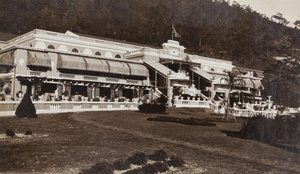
[7,91]
[65,95]
[19,95]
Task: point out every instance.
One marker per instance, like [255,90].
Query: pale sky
[290,9]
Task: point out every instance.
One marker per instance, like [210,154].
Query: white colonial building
[67,71]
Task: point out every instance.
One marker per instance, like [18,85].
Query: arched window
[51,47]
[212,69]
[63,48]
[118,56]
[75,50]
[40,44]
[87,51]
[98,53]
[108,54]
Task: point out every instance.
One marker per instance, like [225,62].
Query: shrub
[176,162]
[272,130]
[121,164]
[26,108]
[150,169]
[10,133]
[158,155]
[162,100]
[155,168]
[259,128]
[152,108]
[99,168]
[136,171]
[28,132]
[138,159]
[96,99]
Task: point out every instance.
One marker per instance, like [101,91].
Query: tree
[278,17]
[232,79]
[26,108]
[297,24]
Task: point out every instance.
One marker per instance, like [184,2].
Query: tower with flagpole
[174,33]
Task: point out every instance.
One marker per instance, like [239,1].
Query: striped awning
[6,75]
[259,74]
[236,71]
[38,59]
[239,71]
[158,67]
[70,62]
[202,73]
[118,67]
[7,59]
[97,65]
[138,70]
[257,84]
[248,83]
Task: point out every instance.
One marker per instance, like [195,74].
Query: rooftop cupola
[173,48]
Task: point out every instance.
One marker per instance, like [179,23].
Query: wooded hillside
[209,28]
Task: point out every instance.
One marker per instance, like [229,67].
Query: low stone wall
[9,108]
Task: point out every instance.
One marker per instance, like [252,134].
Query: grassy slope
[79,140]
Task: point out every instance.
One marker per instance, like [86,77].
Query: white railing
[9,107]
[192,103]
[252,113]
[157,93]
[54,106]
[267,113]
[77,106]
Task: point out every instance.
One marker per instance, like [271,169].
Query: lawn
[73,142]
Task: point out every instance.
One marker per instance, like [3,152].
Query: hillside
[207,27]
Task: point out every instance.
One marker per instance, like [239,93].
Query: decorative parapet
[69,35]
[142,52]
[178,76]
[197,58]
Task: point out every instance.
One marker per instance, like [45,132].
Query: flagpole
[172,31]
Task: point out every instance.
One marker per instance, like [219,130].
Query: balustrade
[54,106]
[191,103]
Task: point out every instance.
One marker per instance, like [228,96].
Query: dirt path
[253,158]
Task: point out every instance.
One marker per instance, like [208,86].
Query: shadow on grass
[186,121]
[230,120]
[234,134]
[288,147]
[166,113]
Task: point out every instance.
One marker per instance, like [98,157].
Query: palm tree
[232,79]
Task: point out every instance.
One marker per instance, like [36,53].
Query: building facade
[57,67]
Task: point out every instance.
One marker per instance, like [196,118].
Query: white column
[93,91]
[169,93]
